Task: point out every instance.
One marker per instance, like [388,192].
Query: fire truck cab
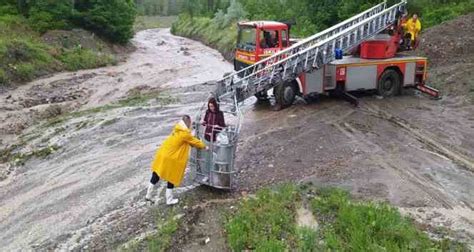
[260,39]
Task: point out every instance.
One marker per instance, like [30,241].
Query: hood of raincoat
[181,126]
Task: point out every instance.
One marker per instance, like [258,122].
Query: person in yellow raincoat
[413,27]
[171,159]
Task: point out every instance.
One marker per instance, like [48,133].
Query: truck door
[284,39]
[269,43]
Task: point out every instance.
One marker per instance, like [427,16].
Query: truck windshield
[246,39]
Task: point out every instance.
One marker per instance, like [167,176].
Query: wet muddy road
[411,151]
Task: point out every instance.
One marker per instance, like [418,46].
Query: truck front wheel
[285,94]
[389,83]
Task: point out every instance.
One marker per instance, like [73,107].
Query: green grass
[365,226]
[6,154]
[25,71]
[435,13]
[23,58]
[162,240]
[368,226]
[79,58]
[152,22]
[167,225]
[140,99]
[307,239]
[22,158]
[267,223]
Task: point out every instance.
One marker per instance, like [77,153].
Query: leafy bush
[113,19]
[8,9]
[25,71]
[235,12]
[44,15]
[43,21]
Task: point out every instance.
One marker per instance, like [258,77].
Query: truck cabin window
[269,39]
[246,39]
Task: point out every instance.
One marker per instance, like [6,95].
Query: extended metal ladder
[309,54]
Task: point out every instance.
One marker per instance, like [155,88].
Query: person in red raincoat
[213,120]
[214,123]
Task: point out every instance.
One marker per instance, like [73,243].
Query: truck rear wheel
[285,94]
[389,83]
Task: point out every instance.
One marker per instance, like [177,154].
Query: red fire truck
[374,65]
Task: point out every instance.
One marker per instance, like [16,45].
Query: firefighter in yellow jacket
[171,159]
[413,27]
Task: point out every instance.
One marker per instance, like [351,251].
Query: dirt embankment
[450,50]
[87,40]
[451,42]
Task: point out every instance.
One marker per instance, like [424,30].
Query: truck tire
[285,94]
[389,83]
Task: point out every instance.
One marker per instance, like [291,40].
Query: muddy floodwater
[103,162]
[416,153]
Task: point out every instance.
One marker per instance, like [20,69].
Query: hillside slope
[450,50]
[41,37]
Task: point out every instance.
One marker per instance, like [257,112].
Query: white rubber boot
[149,193]
[169,197]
